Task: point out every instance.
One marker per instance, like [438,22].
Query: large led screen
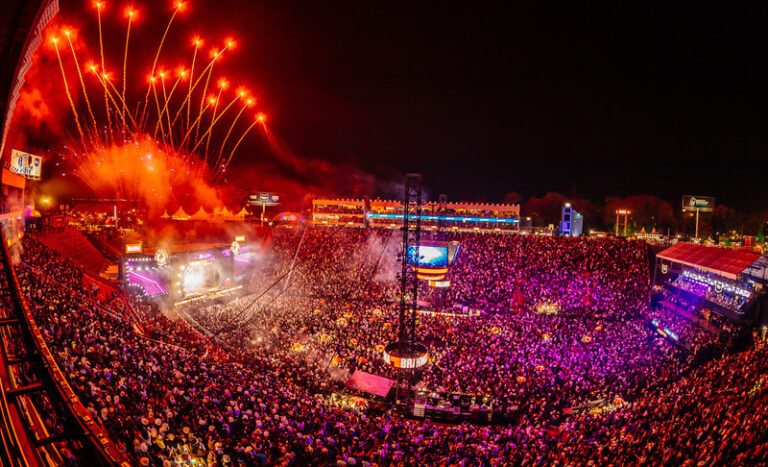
[429,256]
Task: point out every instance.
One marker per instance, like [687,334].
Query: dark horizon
[614,100]
[611,100]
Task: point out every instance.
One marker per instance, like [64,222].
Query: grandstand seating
[42,421]
[72,244]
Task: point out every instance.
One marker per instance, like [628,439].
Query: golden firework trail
[222,85]
[164,111]
[213,123]
[82,82]
[174,132]
[259,119]
[229,131]
[66,88]
[205,88]
[189,131]
[131,12]
[101,55]
[188,97]
[179,5]
[191,75]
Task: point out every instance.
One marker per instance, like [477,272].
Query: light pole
[696,236]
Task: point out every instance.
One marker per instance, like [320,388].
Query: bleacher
[72,244]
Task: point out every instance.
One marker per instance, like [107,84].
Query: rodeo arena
[371,332]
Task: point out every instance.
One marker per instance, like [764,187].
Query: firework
[66,89]
[170,132]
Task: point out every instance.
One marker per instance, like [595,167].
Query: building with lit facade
[487,217]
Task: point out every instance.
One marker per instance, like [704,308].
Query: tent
[241,215]
[180,215]
[200,215]
[226,213]
[165,215]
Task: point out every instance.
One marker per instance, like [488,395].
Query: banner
[698,203]
[264,199]
[26,164]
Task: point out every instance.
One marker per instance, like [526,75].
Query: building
[727,281]
[389,214]
[571,222]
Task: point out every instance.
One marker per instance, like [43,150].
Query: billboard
[26,164]
[429,256]
[698,203]
[264,199]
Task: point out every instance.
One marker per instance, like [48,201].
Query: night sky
[483,100]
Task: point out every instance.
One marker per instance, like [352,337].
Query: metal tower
[409,283]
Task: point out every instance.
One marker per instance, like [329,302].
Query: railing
[29,372]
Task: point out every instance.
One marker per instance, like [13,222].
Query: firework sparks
[66,88]
[109,145]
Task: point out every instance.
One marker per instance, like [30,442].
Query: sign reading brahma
[26,164]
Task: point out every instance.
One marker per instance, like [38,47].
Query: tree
[512,197]
[545,210]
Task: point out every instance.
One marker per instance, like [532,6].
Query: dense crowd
[727,300]
[240,382]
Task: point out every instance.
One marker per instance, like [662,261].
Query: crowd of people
[727,300]
[241,381]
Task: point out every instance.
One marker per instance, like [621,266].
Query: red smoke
[143,170]
[300,180]
[42,110]
[43,124]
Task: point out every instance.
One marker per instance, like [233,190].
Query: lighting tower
[409,283]
[407,353]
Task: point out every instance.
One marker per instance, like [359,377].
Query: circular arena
[178,287]
[542,353]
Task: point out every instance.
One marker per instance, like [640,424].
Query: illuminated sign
[26,164]
[698,203]
[132,248]
[161,257]
[264,199]
[408,358]
[440,284]
[406,363]
[430,277]
[240,238]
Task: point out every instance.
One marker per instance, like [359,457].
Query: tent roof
[180,214]
[200,214]
[243,212]
[372,384]
[722,261]
[165,215]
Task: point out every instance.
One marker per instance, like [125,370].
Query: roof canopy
[180,214]
[722,261]
[200,215]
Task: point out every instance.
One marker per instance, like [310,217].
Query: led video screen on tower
[429,256]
